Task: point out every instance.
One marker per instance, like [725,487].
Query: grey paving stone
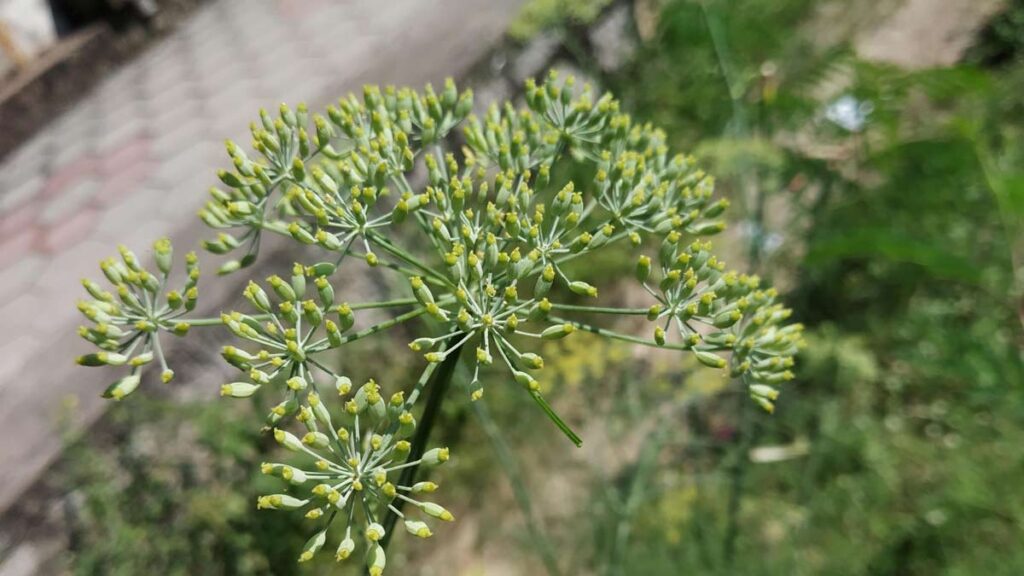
[493,92]
[72,148]
[69,201]
[535,55]
[191,156]
[187,196]
[15,352]
[17,195]
[613,40]
[121,133]
[18,278]
[129,214]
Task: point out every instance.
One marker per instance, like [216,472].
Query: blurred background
[872,151]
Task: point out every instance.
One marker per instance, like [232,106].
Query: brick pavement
[130,163]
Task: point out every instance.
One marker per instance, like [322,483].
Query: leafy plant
[537,16]
[496,236]
[901,239]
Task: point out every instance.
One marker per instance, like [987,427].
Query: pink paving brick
[18,246]
[129,154]
[18,221]
[61,235]
[114,188]
[15,354]
[69,174]
[19,276]
[22,313]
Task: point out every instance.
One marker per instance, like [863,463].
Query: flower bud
[316,440]
[557,331]
[437,511]
[279,502]
[122,387]
[423,487]
[709,359]
[345,548]
[374,532]
[288,440]
[583,289]
[313,545]
[375,560]
[532,360]
[643,268]
[418,528]
[435,456]
[239,389]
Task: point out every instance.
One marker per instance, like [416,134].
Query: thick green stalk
[438,386]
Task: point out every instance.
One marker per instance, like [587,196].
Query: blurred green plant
[895,198]
[537,16]
[175,498]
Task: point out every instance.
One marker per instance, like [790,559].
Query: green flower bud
[557,331]
[316,440]
[436,511]
[239,389]
[345,548]
[709,359]
[375,560]
[643,269]
[435,456]
[343,385]
[313,545]
[418,528]
[122,387]
[764,391]
[532,360]
[279,502]
[288,440]
[423,487]
[374,532]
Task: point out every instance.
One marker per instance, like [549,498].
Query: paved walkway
[132,161]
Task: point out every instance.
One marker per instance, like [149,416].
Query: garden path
[131,161]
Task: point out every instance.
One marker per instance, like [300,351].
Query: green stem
[216,321]
[620,336]
[384,304]
[398,268]
[407,258]
[383,325]
[556,418]
[601,309]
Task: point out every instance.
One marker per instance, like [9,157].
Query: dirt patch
[925,33]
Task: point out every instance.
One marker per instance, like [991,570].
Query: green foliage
[176,499]
[1001,42]
[536,16]
[898,458]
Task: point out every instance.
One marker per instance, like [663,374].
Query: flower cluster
[127,328]
[351,478]
[487,238]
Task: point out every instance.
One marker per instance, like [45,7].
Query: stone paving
[131,161]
